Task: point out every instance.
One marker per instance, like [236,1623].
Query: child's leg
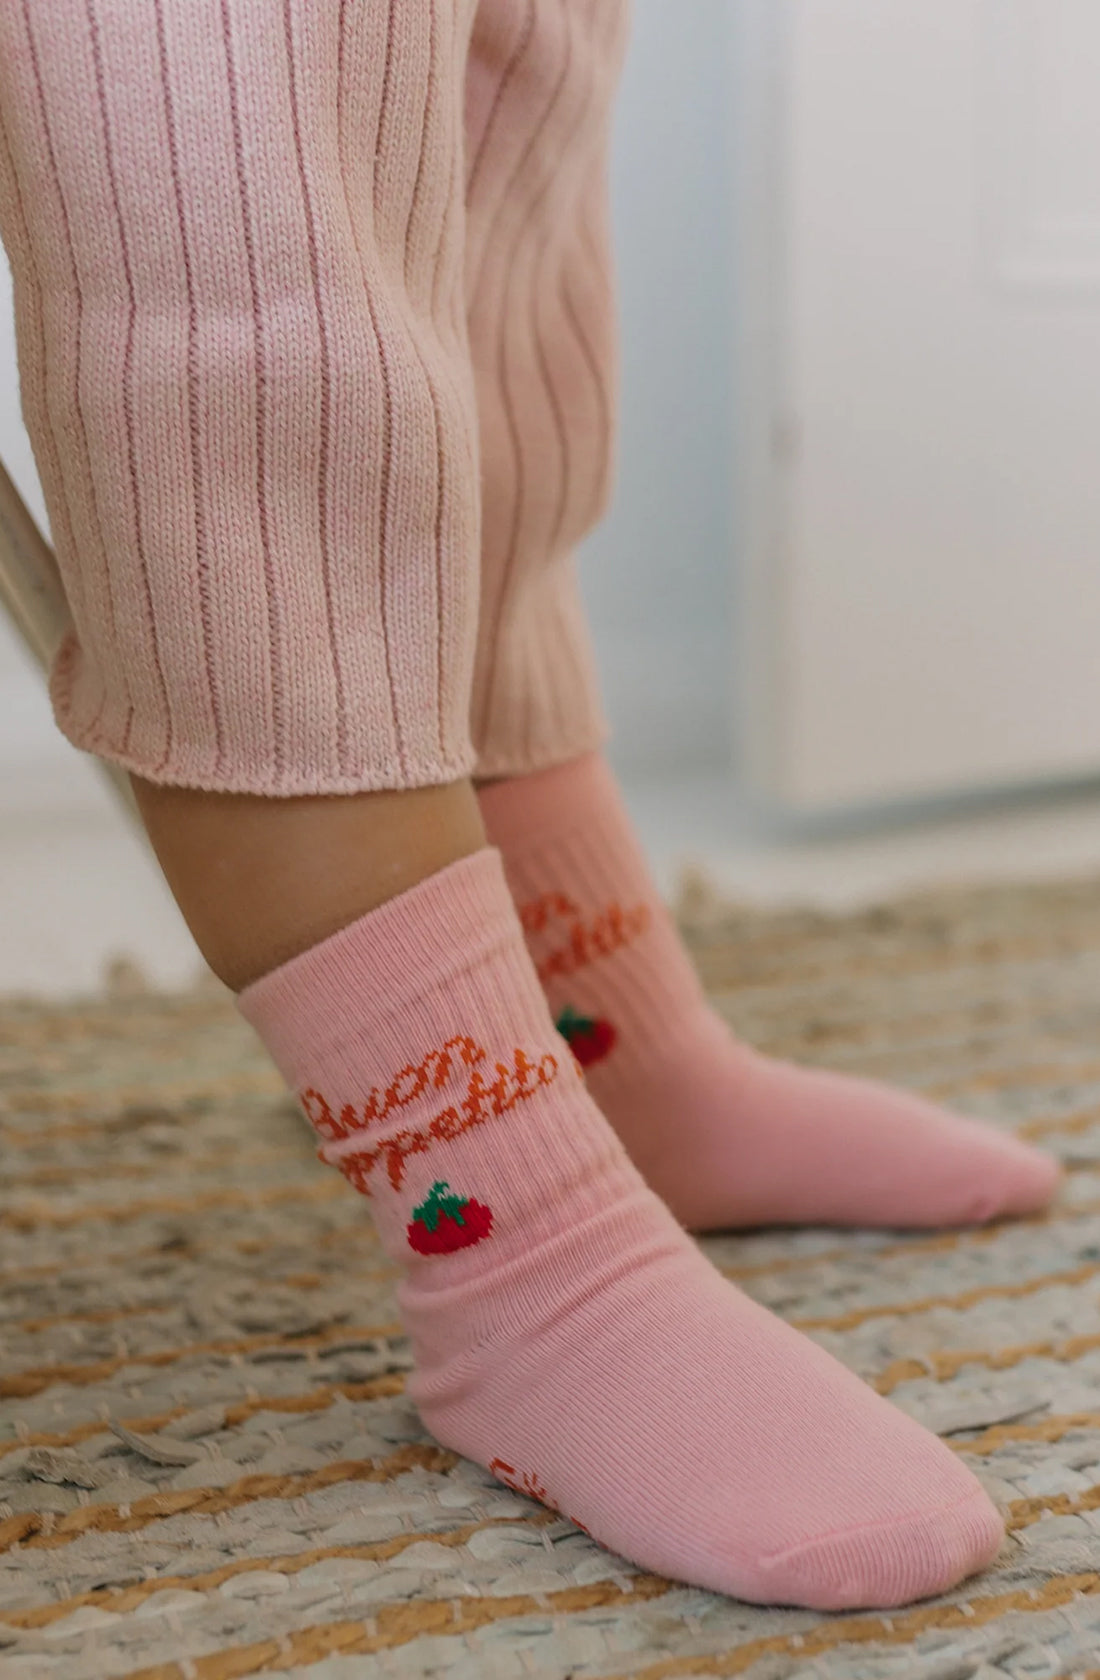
[260,880]
[727,1137]
[233,234]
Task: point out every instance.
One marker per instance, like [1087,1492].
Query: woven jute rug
[208,1466]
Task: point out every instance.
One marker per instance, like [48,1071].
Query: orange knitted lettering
[585,938]
[535,916]
[482,1101]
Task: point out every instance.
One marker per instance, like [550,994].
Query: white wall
[925,407]
[656,574]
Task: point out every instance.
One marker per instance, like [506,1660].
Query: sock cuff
[569,829]
[601,938]
[389,957]
[527,809]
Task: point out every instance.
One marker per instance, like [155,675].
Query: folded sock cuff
[390,956]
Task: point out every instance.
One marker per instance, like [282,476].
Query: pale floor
[78,889]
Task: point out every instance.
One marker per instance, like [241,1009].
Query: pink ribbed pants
[316,355]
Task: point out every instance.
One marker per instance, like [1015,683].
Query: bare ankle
[259,880]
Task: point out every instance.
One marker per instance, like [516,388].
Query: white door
[919,380]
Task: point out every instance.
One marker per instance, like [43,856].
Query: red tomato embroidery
[445,1222]
[589,1038]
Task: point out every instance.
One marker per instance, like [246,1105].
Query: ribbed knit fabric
[242,258]
[540,83]
[726,1136]
[567,1333]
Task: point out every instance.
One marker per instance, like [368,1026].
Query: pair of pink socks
[568,1334]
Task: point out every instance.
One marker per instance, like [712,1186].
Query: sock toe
[1022,1180]
[883,1565]
[1034,1182]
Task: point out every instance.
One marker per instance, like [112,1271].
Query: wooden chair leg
[31,593]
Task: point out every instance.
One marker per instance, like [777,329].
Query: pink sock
[567,1333]
[726,1136]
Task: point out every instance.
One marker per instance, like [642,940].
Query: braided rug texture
[208,1466]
